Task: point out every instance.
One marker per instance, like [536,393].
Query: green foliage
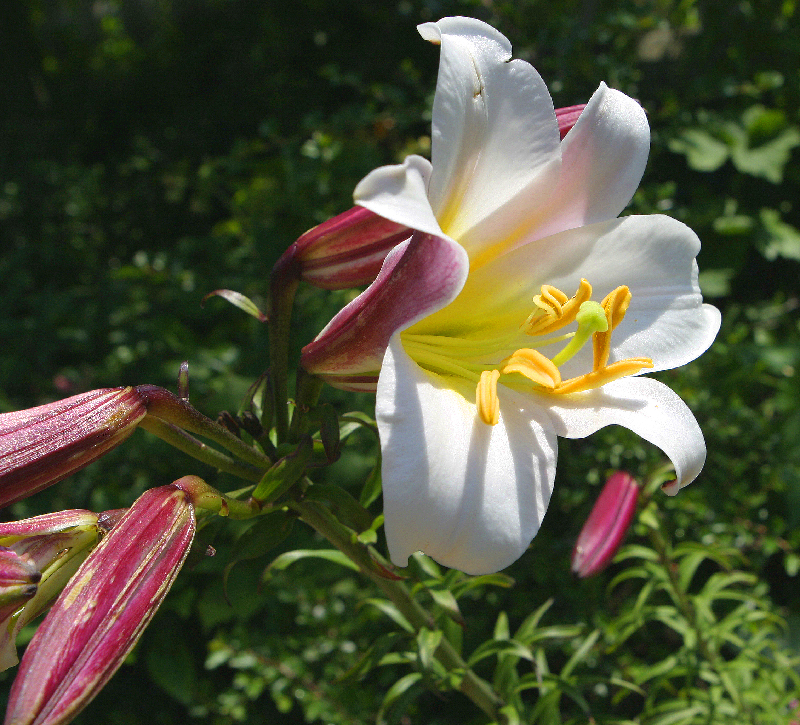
[155,152]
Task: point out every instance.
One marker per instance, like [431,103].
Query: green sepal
[349,511]
[285,473]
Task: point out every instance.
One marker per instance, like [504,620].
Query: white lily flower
[469,329]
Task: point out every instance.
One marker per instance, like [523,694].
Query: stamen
[615,304]
[591,318]
[598,378]
[554,310]
[534,366]
[486,397]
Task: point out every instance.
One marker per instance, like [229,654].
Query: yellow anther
[597,378]
[534,366]
[551,300]
[486,397]
[553,309]
[615,304]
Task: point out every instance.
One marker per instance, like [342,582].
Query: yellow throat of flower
[553,311]
[470,358]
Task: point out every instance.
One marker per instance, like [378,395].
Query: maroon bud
[103,610]
[606,526]
[345,251]
[40,446]
[53,545]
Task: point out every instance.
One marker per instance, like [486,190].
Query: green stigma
[591,318]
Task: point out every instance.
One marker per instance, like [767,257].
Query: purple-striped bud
[41,446]
[567,117]
[104,608]
[53,546]
[606,526]
[345,251]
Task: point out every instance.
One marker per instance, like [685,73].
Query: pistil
[596,321]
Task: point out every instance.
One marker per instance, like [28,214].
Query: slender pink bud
[345,251]
[606,526]
[40,446]
[104,609]
[567,117]
[53,545]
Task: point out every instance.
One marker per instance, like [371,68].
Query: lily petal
[495,137]
[602,161]
[648,408]
[417,278]
[399,193]
[471,496]
[653,255]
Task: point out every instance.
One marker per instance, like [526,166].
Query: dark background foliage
[154,150]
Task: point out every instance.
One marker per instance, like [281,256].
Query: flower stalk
[323,522]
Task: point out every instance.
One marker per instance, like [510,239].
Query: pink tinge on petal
[567,117]
[345,251]
[103,610]
[606,526]
[418,277]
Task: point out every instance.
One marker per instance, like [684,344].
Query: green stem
[682,598]
[169,408]
[284,280]
[208,498]
[308,389]
[476,689]
[181,440]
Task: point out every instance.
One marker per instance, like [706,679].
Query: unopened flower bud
[18,579]
[567,117]
[40,446]
[52,546]
[345,251]
[606,526]
[104,609]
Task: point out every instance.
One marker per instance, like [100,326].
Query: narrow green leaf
[266,533]
[427,643]
[391,611]
[373,486]
[349,511]
[285,473]
[290,557]
[528,627]
[395,695]
[372,657]
[501,629]
[580,654]
[237,299]
[495,647]
[445,599]
[468,584]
